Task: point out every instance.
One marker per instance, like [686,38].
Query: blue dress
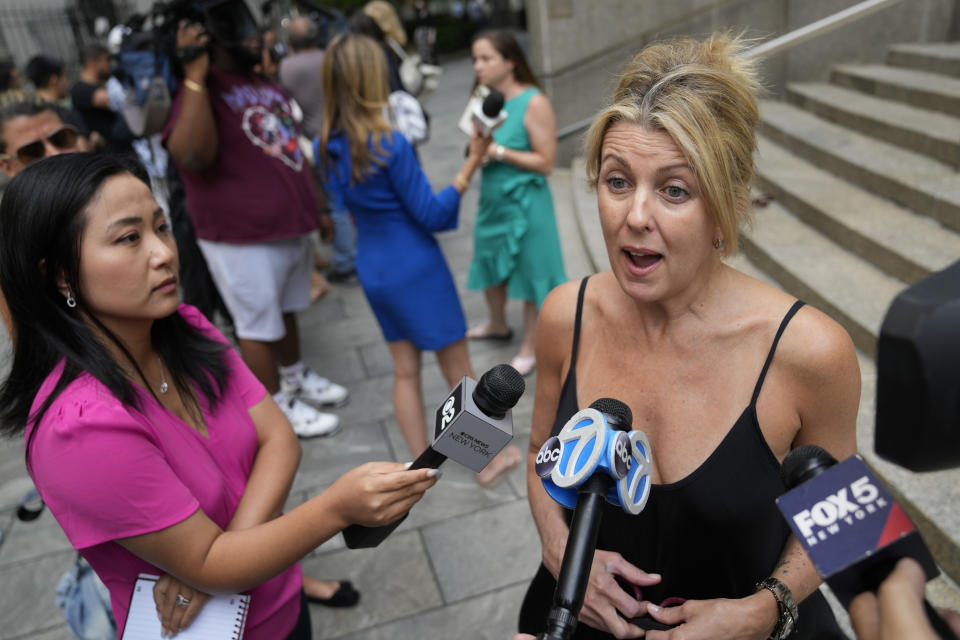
[399,263]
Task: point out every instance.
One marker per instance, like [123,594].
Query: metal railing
[851,14]
[781,43]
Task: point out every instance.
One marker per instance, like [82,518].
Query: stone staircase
[865,177]
[864,174]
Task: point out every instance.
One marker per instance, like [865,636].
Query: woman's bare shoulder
[559,308]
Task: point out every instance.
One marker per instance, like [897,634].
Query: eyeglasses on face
[63,138]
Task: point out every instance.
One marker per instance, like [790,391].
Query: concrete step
[919,88]
[901,243]
[807,264]
[935,57]
[931,133]
[915,181]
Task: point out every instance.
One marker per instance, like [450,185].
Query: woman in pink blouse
[153,445]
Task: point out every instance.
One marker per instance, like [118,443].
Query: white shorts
[261,282]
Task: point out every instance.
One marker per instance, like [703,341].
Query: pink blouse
[107,471]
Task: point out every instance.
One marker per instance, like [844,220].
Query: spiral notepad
[223,617]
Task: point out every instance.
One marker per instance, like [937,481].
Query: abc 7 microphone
[594,458]
[850,525]
[473,424]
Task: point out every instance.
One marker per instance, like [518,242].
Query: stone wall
[577,46]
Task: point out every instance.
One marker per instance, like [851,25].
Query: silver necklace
[164,387]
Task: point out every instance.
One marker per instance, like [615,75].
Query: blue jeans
[86,603]
[344,241]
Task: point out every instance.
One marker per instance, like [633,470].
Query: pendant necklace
[163,379]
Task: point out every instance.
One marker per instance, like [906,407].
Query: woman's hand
[750,618]
[896,609]
[606,605]
[479,144]
[378,493]
[175,617]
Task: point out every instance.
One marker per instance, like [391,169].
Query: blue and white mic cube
[464,433]
[587,445]
[852,528]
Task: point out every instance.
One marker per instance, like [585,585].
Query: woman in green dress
[516,245]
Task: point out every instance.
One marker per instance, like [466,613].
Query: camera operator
[251,196]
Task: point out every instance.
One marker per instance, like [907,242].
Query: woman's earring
[718,243]
[71,301]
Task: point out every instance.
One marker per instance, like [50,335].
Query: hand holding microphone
[596,457]
[897,609]
[850,526]
[472,425]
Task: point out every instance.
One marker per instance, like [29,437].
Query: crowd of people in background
[240,209]
[152,285]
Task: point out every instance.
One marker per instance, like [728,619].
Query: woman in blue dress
[372,169]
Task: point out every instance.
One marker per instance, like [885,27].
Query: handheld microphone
[472,425]
[594,458]
[491,114]
[850,525]
[485,109]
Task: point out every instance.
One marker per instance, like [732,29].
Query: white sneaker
[307,422]
[317,390]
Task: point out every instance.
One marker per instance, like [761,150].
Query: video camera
[149,62]
[918,375]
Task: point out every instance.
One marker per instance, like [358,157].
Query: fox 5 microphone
[485,110]
[473,424]
[849,524]
[594,458]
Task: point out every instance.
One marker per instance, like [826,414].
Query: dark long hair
[508,47]
[43,215]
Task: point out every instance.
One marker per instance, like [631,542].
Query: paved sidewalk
[459,565]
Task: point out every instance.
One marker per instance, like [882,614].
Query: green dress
[515,236]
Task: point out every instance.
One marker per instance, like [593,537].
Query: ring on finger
[182,601]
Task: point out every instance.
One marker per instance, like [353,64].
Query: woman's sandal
[524,364]
[344,596]
[482,333]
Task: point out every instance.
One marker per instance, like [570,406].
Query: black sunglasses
[63,138]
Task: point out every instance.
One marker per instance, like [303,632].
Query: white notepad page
[223,617]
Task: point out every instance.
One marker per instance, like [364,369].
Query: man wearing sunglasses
[31,129]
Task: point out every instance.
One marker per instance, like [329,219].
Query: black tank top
[714,534]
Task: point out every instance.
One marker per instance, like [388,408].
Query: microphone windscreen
[498,390]
[804,463]
[492,104]
[619,410]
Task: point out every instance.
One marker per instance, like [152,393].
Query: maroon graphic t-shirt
[260,186]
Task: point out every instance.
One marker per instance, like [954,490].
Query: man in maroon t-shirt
[253,203]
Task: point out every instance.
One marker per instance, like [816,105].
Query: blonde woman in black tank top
[724,373]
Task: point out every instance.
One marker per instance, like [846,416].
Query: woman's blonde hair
[387,19]
[355,94]
[703,93]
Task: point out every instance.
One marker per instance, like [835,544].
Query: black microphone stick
[809,461]
[582,539]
